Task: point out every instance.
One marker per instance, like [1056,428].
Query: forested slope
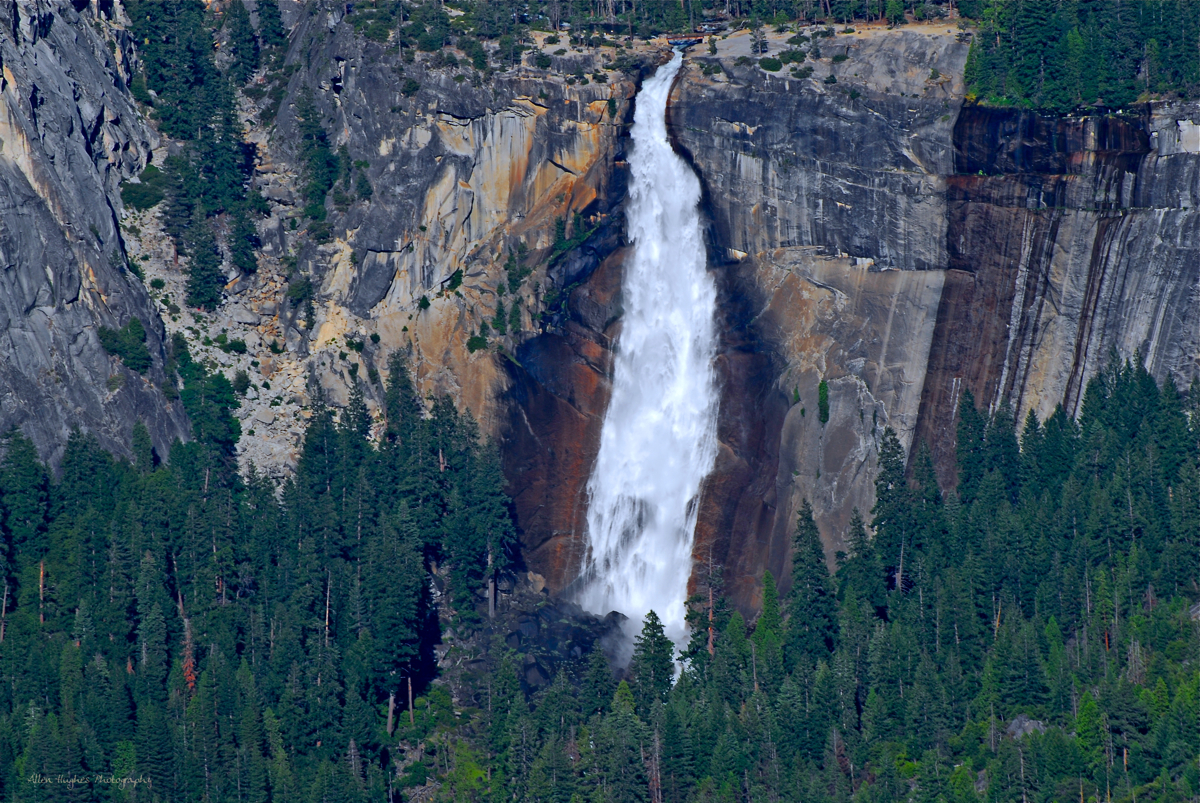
[226,639]
[1028,638]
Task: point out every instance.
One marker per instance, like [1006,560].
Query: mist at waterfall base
[658,440]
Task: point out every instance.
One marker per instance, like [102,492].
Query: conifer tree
[622,742]
[970,427]
[653,666]
[768,638]
[243,44]
[811,630]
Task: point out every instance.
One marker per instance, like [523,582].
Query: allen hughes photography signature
[98,778]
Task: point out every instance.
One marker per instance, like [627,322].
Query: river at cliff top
[658,441]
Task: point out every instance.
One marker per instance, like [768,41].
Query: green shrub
[476,342]
[542,61]
[320,230]
[831,79]
[363,187]
[410,88]
[770,64]
[241,383]
[300,290]
[149,192]
[474,50]
[157,284]
[129,344]
[792,56]
[823,401]
[802,72]
[839,58]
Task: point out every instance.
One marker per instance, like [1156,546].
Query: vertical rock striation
[1070,240]
[898,246]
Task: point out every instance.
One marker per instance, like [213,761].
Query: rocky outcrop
[463,175]
[69,133]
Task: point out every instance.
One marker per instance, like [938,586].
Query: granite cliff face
[902,247]
[1069,240]
[69,133]
[829,226]
[464,176]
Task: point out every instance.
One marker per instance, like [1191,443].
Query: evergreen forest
[1030,636]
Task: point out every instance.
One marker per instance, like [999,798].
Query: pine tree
[768,638]
[270,25]
[205,280]
[861,572]
[243,44]
[598,686]
[970,428]
[652,669]
[811,630]
[621,744]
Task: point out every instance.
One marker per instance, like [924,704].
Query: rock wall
[828,207]
[867,231]
[1069,240]
[902,247]
[69,133]
[463,174]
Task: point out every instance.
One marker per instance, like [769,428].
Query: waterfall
[658,441]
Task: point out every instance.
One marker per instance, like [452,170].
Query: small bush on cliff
[129,344]
[770,64]
[823,402]
[149,192]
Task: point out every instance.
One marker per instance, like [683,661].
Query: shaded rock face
[559,391]
[68,135]
[1068,241]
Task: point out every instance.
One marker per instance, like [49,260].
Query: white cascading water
[658,442]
